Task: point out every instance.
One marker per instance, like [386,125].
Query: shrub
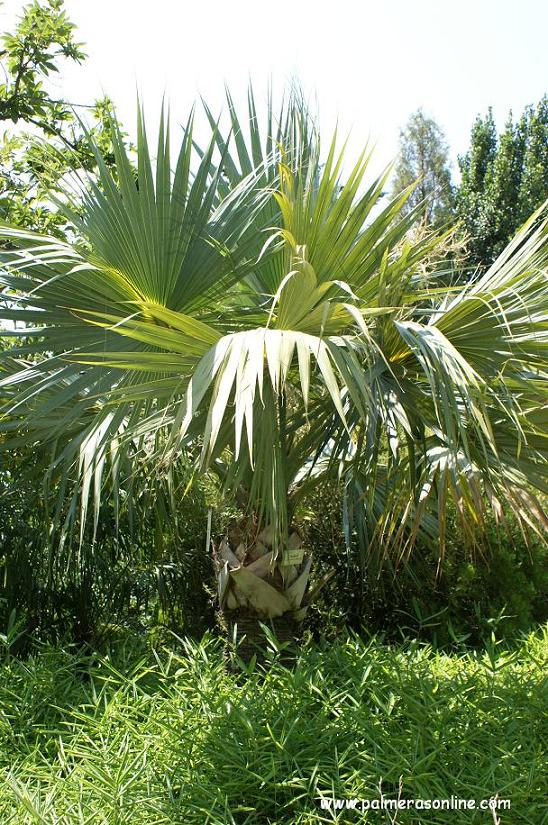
[150,571]
[500,586]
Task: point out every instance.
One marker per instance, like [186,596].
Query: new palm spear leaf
[255,308]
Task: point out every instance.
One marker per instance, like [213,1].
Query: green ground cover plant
[151,738]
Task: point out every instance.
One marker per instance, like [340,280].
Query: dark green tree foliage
[534,179]
[46,139]
[424,157]
[503,180]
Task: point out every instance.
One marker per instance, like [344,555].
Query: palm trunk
[246,637]
[257,583]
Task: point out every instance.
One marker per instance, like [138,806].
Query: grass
[169,737]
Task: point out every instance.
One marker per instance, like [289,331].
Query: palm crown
[255,304]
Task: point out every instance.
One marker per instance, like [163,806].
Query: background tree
[424,157]
[534,178]
[503,180]
[46,139]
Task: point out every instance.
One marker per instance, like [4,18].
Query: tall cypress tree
[476,168]
[534,181]
[503,180]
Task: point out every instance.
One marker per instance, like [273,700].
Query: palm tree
[272,317]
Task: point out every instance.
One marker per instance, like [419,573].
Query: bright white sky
[368,63]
